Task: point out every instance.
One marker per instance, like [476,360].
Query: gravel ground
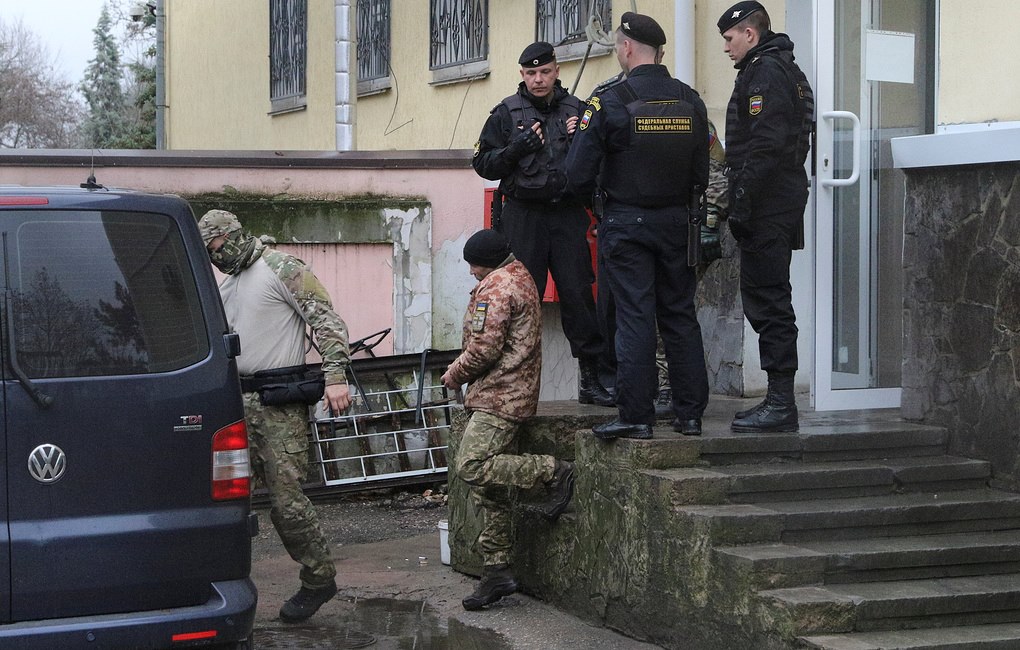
[386,592]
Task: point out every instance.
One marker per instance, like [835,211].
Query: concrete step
[787,481]
[881,559]
[1003,636]
[903,604]
[826,442]
[892,515]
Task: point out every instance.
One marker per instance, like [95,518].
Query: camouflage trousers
[487,461]
[278,448]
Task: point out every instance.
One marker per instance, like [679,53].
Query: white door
[873,65]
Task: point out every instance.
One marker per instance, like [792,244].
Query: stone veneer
[961,309]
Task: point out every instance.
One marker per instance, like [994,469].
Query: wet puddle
[382,624]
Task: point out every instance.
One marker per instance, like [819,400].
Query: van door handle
[232,344]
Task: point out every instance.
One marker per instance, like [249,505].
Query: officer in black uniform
[768,125]
[523,145]
[644,141]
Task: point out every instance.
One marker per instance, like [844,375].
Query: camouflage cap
[217,222]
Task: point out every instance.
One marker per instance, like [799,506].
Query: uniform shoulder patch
[595,102]
[755,104]
[478,148]
[478,318]
[585,119]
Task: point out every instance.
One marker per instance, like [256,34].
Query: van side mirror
[232,343]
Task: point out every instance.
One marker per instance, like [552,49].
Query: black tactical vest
[654,169]
[806,99]
[539,176]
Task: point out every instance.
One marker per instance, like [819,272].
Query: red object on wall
[550,287]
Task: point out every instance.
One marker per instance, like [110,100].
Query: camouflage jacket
[501,353]
[269,303]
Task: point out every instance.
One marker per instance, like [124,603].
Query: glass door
[874,82]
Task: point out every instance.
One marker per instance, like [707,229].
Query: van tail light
[231,469]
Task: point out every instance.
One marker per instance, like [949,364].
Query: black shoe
[561,489]
[740,415]
[496,582]
[664,404]
[777,415]
[620,429]
[306,602]
[589,389]
[691,427]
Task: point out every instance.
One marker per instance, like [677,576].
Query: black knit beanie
[486,248]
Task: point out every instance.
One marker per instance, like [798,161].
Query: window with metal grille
[563,21]
[288,53]
[373,45]
[458,38]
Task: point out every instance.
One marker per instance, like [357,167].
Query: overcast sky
[64,26]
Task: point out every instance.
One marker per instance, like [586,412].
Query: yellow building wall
[413,114]
[976,82]
[217,76]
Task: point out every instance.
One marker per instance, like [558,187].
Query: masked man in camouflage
[269,297]
[501,360]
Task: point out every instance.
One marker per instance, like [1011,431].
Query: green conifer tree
[106,124]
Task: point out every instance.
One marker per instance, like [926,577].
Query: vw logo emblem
[47,463]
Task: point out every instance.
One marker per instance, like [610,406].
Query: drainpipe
[160,76]
[343,75]
[685,31]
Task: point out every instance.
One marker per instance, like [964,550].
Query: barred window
[373,45]
[562,23]
[288,53]
[459,38]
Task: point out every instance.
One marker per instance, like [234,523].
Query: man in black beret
[769,122]
[523,145]
[644,142]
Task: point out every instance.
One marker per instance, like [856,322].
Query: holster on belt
[696,209]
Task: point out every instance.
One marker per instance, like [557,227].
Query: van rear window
[101,293]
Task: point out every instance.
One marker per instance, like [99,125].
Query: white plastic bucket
[444,541]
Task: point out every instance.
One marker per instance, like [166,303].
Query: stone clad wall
[962,309]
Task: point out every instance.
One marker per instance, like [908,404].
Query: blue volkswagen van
[125,489]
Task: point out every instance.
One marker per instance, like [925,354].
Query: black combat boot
[590,389]
[777,414]
[664,404]
[306,602]
[496,582]
[740,415]
[561,489]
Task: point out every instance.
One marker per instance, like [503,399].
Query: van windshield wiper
[43,400]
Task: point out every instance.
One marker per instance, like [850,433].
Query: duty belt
[251,383]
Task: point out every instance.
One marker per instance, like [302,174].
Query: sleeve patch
[585,119]
[756,104]
[595,102]
[478,319]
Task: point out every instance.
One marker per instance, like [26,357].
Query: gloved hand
[711,246]
[524,142]
[740,215]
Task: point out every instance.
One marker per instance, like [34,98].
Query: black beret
[642,29]
[486,248]
[736,13]
[537,54]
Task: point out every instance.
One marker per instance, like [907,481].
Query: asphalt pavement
[395,592]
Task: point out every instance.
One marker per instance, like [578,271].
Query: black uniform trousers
[645,257]
[553,238]
[765,289]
